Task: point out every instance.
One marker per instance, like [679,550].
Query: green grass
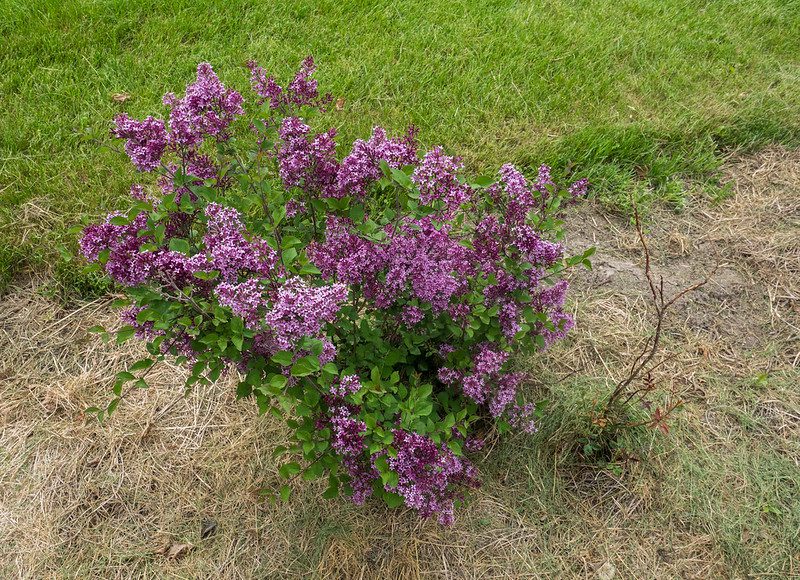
[617,90]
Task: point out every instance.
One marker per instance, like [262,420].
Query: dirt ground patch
[719,497]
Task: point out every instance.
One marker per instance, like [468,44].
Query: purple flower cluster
[207,109]
[521,417]
[412,315]
[300,310]
[143,331]
[348,432]
[417,258]
[346,385]
[437,177]
[229,249]
[487,383]
[245,300]
[145,140]
[362,166]
[430,476]
[309,164]
[125,263]
[301,91]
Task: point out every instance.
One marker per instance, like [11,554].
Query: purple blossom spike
[146,140]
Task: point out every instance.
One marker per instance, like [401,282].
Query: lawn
[643,96]
[692,108]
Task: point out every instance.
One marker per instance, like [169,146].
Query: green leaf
[211,275]
[484,181]
[142,364]
[112,406]
[283,358]
[401,177]
[289,469]
[330,369]
[333,488]
[314,471]
[285,492]
[312,397]
[124,334]
[278,381]
[179,245]
[289,242]
[125,376]
[310,270]
[288,256]
[393,500]
[305,366]
[243,390]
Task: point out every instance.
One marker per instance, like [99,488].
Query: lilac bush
[373,301]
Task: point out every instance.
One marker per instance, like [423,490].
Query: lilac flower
[445,349]
[474,444]
[348,432]
[207,109]
[520,197]
[507,386]
[125,264]
[579,189]
[563,323]
[412,315]
[309,165]
[521,417]
[429,476]
[347,257]
[362,167]
[449,376]
[475,387]
[301,91]
[535,249]
[347,385]
[437,179]
[146,140]
[544,181]
[228,249]
[488,361]
[137,192]
[144,331]
[294,208]
[245,299]
[362,474]
[301,310]
[264,86]
[509,318]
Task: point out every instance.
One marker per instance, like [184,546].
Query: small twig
[651,346]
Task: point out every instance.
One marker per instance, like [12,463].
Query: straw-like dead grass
[719,497]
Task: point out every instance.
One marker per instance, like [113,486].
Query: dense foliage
[374,302]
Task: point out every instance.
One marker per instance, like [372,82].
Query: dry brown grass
[79,499]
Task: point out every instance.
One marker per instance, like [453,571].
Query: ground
[717,497]
[663,101]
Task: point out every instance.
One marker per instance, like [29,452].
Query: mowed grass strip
[637,95]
